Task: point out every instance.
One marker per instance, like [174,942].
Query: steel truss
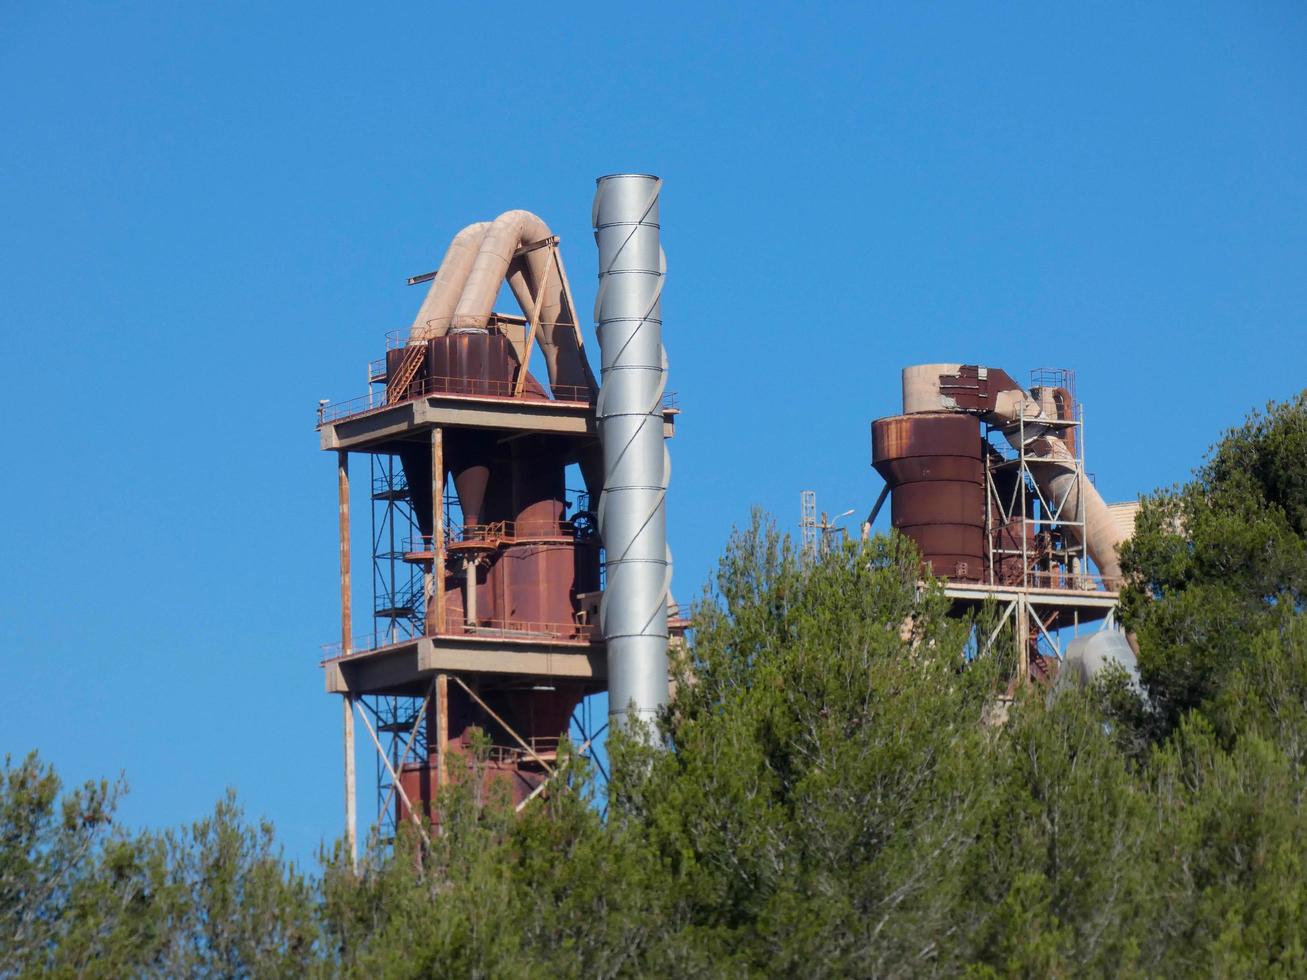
[1061,560]
[398,589]
[397,729]
[1056,590]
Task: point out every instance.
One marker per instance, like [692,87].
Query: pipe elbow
[506,234]
[433,317]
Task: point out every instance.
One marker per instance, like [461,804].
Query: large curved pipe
[507,233]
[556,329]
[996,398]
[437,310]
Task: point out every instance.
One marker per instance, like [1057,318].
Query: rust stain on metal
[935,471]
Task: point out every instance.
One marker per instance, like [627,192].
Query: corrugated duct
[632,510]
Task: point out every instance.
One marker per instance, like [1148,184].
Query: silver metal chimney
[632,508]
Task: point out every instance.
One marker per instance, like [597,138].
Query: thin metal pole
[1039,621]
[576,320]
[442,728]
[346,633]
[346,612]
[1023,639]
[534,318]
[470,593]
[391,505]
[374,541]
[1024,471]
[436,617]
[997,629]
[351,810]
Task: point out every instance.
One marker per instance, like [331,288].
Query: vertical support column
[1023,639]
[351,813]
[346,606]
[346,647]
[470,591]
[442,728]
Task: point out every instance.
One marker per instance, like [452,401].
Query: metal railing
[513,755]
[513,531]
[500,532]
[525,630]
[365,643]
[451,387]
[447,388]
[493,628]
[1069,580]
[1060,580]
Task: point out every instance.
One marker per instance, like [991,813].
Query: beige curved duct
[478,260]
[1103,536]
[999,400]
[556,329]
[437,310]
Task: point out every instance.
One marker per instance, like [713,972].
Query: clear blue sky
[209,211]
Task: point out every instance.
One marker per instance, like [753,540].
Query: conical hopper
[468,458]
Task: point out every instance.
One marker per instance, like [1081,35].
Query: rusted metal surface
[1059,403]
[477,363]
[509,649]
[484,360]
[525,725]
[346,591]
[543,580]
[933,465]
[975,388]
[420,780]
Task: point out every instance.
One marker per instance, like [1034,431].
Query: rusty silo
[933,465]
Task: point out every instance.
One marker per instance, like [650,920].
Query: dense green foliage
[840,799]
[1220,570]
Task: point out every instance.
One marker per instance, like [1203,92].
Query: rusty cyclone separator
[935,457]
[993,396]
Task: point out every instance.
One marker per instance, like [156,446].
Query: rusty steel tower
[488,569]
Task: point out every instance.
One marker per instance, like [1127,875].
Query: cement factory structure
[502,597]
[502,605]
[988,480]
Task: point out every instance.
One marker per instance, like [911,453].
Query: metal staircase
[397,387]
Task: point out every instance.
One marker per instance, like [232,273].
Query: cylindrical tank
[539,583]
[471,363]
[474,362]
[933,465]
[539,488]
